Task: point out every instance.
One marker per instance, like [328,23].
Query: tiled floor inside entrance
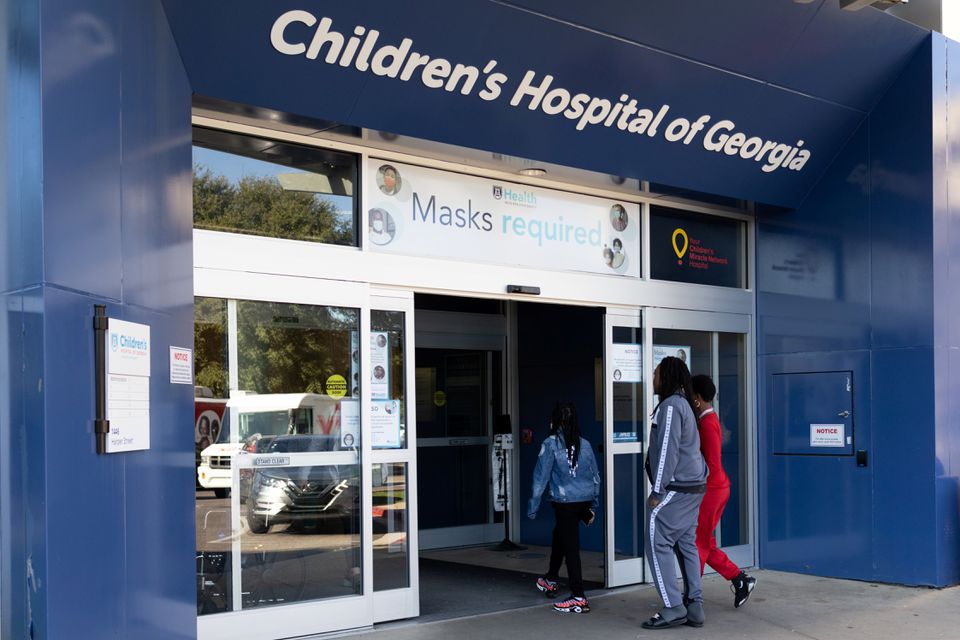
[468,581]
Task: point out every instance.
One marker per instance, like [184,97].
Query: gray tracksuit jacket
[674,461]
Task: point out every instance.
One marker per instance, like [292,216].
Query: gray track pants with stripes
[673,523]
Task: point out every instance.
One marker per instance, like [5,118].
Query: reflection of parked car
[280,494]
[261,417]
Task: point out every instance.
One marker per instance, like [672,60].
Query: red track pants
[710,511]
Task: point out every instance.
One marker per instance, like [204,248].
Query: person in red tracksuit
[718,492]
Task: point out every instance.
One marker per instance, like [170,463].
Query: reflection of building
[839,280]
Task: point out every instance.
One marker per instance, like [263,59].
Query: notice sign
[181,365]
[349,424]
[625,363]
[128,386]
[426,212]
[827,435]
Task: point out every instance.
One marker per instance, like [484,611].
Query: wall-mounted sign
[418,211]
[128,386]
[697,248]
[625,363]
[661,351]
[827,435]
[181,365]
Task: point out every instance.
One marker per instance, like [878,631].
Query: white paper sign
[385,424]
[661,351]
[349,423]
[625,363]
[827,435]
[128,386]
[426,212]
[379,365]
[181,365]
[353,386]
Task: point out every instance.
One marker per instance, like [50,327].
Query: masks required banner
[425,212]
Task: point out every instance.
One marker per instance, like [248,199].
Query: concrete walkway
[783,606]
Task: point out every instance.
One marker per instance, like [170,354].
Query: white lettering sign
[426,212]
[369,51]
[827,435]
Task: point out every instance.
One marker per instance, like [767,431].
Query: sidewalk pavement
[782,606]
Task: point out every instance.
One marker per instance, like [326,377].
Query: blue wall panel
[946,258]
[904,522]
[870,220]
[95,546]
[82,152]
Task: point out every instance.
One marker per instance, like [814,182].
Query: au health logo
[680,248]
[114,341]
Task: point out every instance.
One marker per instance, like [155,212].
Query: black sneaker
[742,586]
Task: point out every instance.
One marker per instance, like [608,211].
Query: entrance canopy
[749,99]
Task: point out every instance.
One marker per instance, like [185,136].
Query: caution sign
[336,386]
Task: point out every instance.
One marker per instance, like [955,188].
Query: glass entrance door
[284,499]
[624,436]
[717,345]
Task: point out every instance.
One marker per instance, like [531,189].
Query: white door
[624,437]
[289,552]
[393,427]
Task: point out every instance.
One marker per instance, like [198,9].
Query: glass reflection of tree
[210,345]
[259,205]
[289,348]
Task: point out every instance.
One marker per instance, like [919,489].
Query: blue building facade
[96,174]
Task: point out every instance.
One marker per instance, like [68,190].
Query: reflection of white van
[260,418]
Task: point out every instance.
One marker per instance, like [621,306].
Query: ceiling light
[533,172]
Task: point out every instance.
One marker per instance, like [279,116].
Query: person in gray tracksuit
[678,477]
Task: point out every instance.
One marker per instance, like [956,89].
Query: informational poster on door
[349,423]
[827,435]
[354,365]
[427,212]
[625,363]
[385,424]
[379,365]
[128,386]
[661,351]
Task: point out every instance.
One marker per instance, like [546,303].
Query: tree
[259,205]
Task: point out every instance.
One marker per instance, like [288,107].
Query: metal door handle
[843,414]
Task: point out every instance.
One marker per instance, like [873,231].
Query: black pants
[566,543]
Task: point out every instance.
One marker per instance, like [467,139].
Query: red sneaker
[548,587]
[572,605]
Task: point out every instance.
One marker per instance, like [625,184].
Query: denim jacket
[553,468]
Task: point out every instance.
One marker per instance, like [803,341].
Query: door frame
[631,570]
[399,604]
[303,618]
[743,555]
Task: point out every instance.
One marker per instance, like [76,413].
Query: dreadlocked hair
[674,379]
[566,426]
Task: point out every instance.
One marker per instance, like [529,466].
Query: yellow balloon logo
[680,249]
